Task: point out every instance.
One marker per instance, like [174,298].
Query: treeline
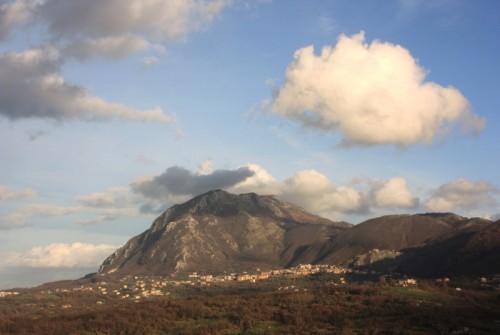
[354,309]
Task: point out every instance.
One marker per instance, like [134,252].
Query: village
[101,289]
[137,288]
[98,293]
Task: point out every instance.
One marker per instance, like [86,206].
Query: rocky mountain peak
[219,202]
[217,231]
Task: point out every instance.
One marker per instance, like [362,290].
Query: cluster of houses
[300,270]
[136,288]
[4,294]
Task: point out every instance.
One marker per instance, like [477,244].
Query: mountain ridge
[219,232]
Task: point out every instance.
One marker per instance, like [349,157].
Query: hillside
[470,251]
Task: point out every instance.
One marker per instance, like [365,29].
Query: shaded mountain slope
[392,232]
[471,251]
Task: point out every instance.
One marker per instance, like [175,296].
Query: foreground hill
[221,232]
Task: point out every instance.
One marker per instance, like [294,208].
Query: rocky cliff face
[221,232]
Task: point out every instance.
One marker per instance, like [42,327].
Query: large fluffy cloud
[461,194]
[373,93]
[316,192]
[74,255]
[309,189]
[393,193]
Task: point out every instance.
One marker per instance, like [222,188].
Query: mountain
[221,232]
[392,233]
[471,251]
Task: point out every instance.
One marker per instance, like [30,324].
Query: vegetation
[311,306]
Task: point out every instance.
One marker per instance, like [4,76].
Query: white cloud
[317,193]
[393,193]
[463,194]
[206,167]
[7,194]
[374,94]
[32,86]
[261,182]
[74,255]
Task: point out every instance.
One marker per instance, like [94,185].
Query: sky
[111,111]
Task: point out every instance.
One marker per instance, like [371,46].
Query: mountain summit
[220,232]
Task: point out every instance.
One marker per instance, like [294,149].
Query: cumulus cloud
[374,94]
[317,193]
[32,86]
[178,181]
[8,194]
[261,182]
[462,194]
[74,255]
[393,193]
[206,167]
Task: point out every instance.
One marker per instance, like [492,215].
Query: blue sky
[112,111]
